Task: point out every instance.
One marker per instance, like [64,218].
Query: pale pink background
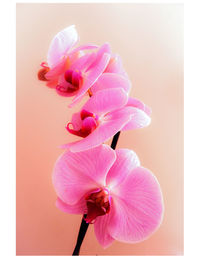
[149,38]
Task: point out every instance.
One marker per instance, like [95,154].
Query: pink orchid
[121,198]
[103,115]
[73,71]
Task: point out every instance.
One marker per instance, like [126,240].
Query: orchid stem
[115,139]
[81,235]
[84,226]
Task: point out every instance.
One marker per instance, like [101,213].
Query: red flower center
[98,204]
[74,80]
[89,123]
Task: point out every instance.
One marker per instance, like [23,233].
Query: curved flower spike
[121,198]
[73,71]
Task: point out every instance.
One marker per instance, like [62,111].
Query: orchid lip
[98,204]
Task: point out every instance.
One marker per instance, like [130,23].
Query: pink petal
[115,66]
[105,48]
[126,161]
[101,231]
[91,77]
[77,173]
[138,104]
[76,121]
[60,44]
[137,207]
[113,122]
[106,100]
[111,80]
[84,47]
[57,70]
[139,120]
[83,62]
[78,208]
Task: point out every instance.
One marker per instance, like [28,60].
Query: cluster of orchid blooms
[122,199]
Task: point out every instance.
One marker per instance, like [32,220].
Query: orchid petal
[101,231]
[57,70]
[83,62]
[105,48]
[79,208]
[137,207]
[125,162]
[77,173]
[106,100]
[76,121]
[111,80]
[60,45]
[115,66]
[139,120]
[138,104]
[84,47]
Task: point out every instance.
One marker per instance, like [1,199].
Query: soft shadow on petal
[138,207]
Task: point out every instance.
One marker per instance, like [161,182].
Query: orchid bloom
[103,115]
[73,71]
[121,198]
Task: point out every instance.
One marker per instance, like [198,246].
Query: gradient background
[149,38]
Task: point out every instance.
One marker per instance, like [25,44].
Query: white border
[192,126]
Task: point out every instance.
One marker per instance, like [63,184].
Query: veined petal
[124,164]
[79,208]
[115,66]
[77,173]
[138,104]
[60,45]
[90,78]
[105,48]
[83,62]
[137,207]
[138,120]
[113,122]
[101,230]
[106,100]
[111,80]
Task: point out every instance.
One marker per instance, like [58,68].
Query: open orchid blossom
[103,115]
[73,71]
[108,187]
[121,198]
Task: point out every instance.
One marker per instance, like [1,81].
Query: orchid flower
[121,198]
[103,115]
[73,71]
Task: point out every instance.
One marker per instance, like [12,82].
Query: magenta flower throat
[108,187]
